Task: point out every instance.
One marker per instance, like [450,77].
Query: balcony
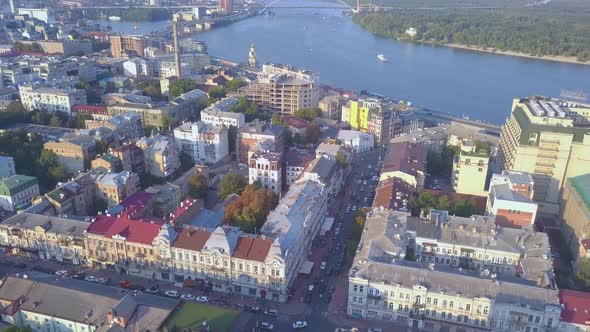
[374,296]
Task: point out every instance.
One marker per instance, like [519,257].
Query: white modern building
[6,167]
[266,168]
[356,140]
[510,199]
[51,99]
[218,114]
[203,142]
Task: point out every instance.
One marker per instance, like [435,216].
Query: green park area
[192,315]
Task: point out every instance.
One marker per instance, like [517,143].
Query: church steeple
[252,56]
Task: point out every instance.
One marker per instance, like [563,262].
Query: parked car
[254,308]
[203,299]
[187,297]
[79,276]
[90,278]
[265,326]
[152,290]
[272,312]
[299,324]
[171,293]
[374,329]
[61,273]
[102,280]
[323,265]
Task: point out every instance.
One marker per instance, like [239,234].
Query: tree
[277,120]
[312,134]
[78,121]
[231,183]
[443,203]
[186,162]
[584,270]
[424,202]
[16,107]
[100,205]
[232,138]
[308,113]
[248,108]
[234,84]
[341,159]
[198,186]
[102,146]
[464,208]
[217,93]
[16,329]
[250,209]
[55,121]
[181,86]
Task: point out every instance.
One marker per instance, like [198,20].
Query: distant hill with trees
[537,31]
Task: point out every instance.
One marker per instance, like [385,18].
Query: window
[428,300]
[451,304]
[468,307]
[444,303]
[450,315]
[435,301]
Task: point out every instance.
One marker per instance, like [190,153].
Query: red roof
[254,249]
[139,231]
[138,200]
[393,193]
[576,306]
[182,209]
[191,239]
[295,122]
[406,157]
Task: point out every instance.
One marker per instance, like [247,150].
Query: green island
[554,31]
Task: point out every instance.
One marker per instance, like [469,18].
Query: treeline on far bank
[128,14]
[533,31]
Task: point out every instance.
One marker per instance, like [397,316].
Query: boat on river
[382,57]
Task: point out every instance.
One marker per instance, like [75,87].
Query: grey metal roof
[52,224]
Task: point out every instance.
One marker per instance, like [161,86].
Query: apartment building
[108,162]
[131,157]
[292,226]
[330,106]
[252,133]
[385,286]
[510,199]
[219,114]
[575,213]
[479,245]
[50,99]
[266,169]
[125,126]
[332,150]
[470,169]
[45,237]
[75,197]
[373,115]
[18,191]
[282,93]
[548,138]
[295,163]
[356,140]
[123,46]
[43,302]
[7,167]
[326,171]
[304,74]
[72,151]
[204,143]
[406,161]
[115,187]
[191,64]
[161,116]
[161,155]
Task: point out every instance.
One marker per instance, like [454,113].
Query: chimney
[176,50]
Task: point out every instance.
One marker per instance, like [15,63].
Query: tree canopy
[234,84]
[248,108]
[198,186]
[308,113]
[232,183]
[250,210]
[181,86]
[534,31]
[426,201]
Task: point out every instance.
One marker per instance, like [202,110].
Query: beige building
[282,93]
[108,162]
[74,197]
[550,139]
[384,285]
[115,187]
[72,151]
[575,213]
[161,155]
[45,237]
[470,169]
[131,157]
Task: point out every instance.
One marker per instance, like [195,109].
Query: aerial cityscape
[280,165]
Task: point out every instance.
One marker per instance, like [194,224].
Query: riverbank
[557,58]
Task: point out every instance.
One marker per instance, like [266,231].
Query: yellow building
[470,169]
[550,139]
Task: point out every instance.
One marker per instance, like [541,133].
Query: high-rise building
[550,139]
[226,5]
[470,169]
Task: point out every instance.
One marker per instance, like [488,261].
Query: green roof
[16,183]
[110,158]
[528,128]
[581,184]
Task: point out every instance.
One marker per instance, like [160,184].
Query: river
[479,85]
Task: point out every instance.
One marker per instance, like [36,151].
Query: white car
[102,280]
[265,325]
[171,293]
[90,278]
[374,329]
[271,312]
[299,324]
[203,299]
[187,297]
[323,265]
[61,273]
